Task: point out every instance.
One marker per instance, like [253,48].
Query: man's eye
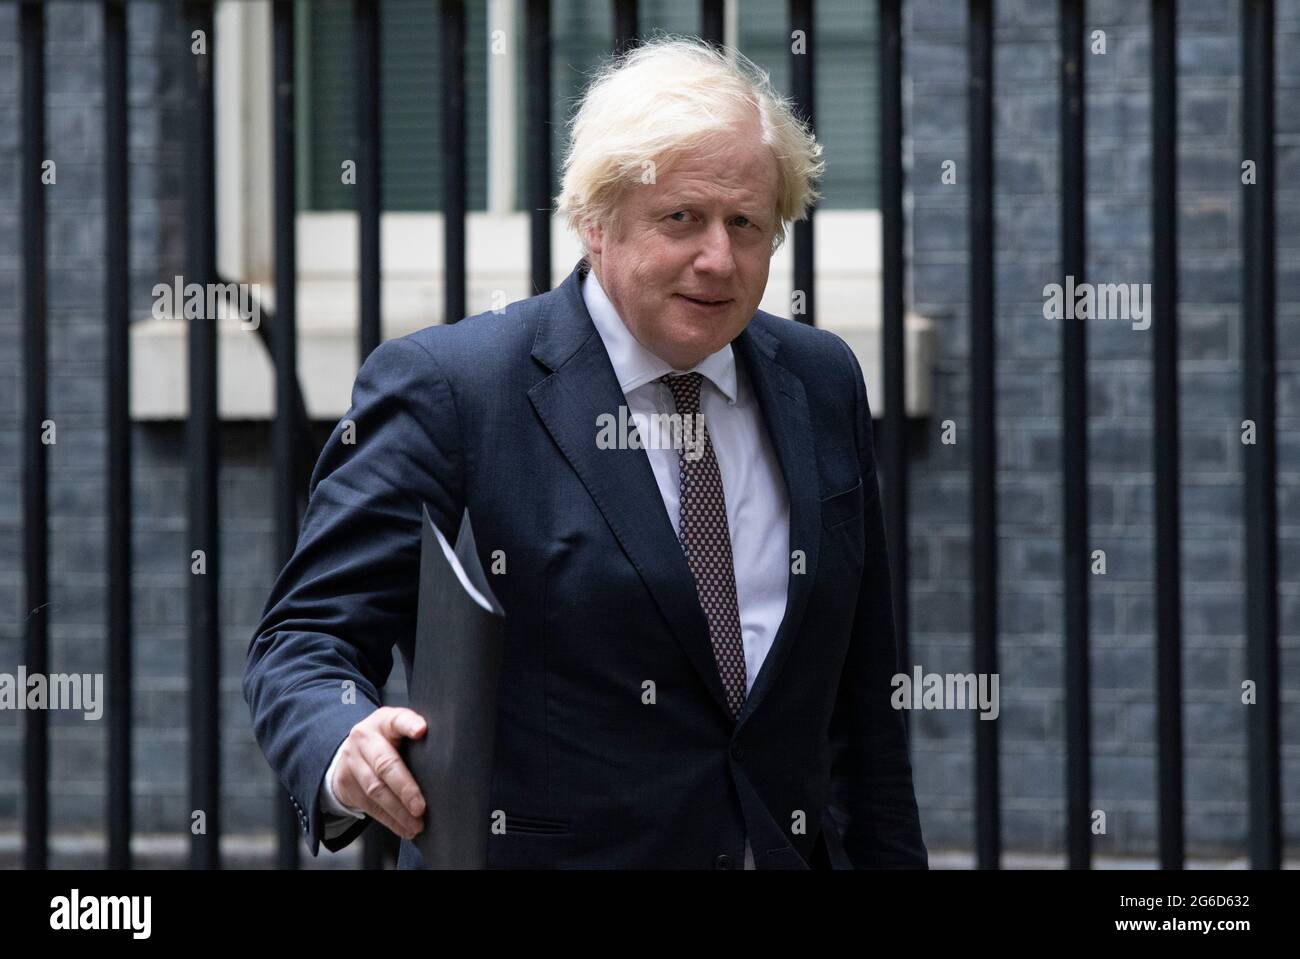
[745,218]
[677,214]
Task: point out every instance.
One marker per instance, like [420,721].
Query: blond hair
[664,97]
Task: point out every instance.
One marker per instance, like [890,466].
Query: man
[700,641]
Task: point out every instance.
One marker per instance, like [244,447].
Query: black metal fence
[293,449]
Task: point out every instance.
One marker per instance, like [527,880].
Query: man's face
[687,263]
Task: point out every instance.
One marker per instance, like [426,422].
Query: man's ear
[595,235]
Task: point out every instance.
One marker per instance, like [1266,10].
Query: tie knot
[686,390]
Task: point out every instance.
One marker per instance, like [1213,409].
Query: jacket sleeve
[872,797]
[324,647]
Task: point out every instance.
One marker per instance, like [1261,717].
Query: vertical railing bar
[366,51]
[453,156]
[894,440]
[202,445]
[1259,404]
[117,266]
[537,30]
[1164,356]
[626,25]
[1075,442]
[284,348]
[713,21]
[983,461]
[36,750]
[803,93]
[368,105]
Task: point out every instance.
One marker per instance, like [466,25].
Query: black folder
[460,630]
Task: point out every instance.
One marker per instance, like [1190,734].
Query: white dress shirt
[758,507]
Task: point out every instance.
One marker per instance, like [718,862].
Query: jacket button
[737,753]
[722,862]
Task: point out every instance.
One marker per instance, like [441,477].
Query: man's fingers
[387,822]
[383,758]
[398,721]
[373,777]
[379,801]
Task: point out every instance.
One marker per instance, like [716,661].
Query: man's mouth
[702,301]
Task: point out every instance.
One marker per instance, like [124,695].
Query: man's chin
[683,354]
[694,336]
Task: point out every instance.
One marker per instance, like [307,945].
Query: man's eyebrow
[676,201]
[679,198]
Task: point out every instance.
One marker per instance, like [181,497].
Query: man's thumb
[410,723]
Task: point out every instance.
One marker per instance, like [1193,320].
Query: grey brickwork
[1028,403]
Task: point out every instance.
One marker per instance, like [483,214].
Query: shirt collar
[634,365]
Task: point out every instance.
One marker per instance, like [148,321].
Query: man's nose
[716,256]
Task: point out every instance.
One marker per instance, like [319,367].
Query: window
[847,95]
[411,104]
[410,74]
[847,225]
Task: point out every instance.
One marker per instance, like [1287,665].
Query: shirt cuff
[334,826]
[330,806]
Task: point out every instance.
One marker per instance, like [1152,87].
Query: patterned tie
[706,540]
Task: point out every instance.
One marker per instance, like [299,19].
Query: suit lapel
[784,405]
[582,386]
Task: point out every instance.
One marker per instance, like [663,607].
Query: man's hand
[371,776]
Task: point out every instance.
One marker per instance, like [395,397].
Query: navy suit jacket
[498,414]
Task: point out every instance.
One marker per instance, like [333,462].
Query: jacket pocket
[535,825]
[842,507]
